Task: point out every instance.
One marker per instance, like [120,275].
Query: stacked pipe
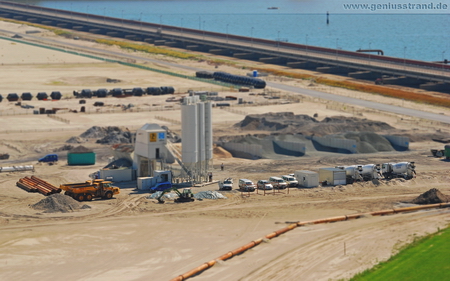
[35,184]
[293,225]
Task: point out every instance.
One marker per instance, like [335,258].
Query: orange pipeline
[274,234]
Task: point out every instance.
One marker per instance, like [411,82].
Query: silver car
[264,184]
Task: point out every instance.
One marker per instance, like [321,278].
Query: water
[411,34]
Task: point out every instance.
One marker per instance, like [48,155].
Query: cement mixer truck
[404,170]
[352,173]
[370,171]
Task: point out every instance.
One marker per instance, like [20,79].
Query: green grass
[425,259]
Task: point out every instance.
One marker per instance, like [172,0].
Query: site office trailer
[332,176]
[307,179]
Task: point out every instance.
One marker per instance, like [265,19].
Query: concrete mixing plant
[196,134]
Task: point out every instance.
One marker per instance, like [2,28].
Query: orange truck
[90,189]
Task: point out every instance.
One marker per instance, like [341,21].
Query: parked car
[264,184]
[161,186]
[49,158]
[290,180]
[278,182]
[246,185]
[226,184]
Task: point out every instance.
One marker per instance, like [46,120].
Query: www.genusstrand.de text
[396,6]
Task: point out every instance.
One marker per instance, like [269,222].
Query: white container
[332,176]
[306,178]
[16,168]
[144,183]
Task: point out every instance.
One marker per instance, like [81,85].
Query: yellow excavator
[185,196]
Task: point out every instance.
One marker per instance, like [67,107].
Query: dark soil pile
[80,149]
[432,196]
[76,140]
[289,123]
[63,148]
[58,203]
[106,135]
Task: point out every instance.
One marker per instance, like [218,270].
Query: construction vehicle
[404,170]
[352,173]
[370,171]
[90,189]
[185,196]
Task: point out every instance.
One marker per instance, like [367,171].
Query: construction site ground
[132,237]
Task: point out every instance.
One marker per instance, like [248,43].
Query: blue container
[255,73]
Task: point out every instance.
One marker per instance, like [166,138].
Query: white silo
[196,134]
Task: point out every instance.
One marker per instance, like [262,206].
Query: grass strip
[427,258]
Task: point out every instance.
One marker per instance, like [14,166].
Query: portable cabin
[307,179]
[332,176]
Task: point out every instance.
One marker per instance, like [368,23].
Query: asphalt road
[327,96]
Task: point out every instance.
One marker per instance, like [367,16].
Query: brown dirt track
[134,238]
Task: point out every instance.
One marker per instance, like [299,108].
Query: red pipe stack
[35,184]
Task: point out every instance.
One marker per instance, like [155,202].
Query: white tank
[16,168]
[370,171]
[349,170]
[400,168]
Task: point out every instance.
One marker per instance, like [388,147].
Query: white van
[278,182]
[246,185]
[290,180]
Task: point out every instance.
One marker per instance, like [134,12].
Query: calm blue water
[415,34]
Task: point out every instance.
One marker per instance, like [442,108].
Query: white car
[278,182]
[264,184]
[290,180]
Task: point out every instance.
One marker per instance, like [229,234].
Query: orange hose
[293,226]
[382,212]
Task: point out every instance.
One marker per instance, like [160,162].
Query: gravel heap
[63,148]
[368,142]
[80,150]
[432,196]
[289,123]
[76,140]
[209,195]
[104,135]
[58,203]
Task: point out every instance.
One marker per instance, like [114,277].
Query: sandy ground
[134,238]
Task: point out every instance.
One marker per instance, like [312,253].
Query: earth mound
[105,135]
[58,203]
[289,123]
[432,196]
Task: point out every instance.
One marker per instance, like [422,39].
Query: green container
[447,151]
[81,158]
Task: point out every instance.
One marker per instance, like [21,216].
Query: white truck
[404,170]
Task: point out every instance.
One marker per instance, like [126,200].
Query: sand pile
[219,152]
[58,203]
[289,123]
[432,196]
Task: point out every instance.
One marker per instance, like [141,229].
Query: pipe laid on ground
[274,234]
